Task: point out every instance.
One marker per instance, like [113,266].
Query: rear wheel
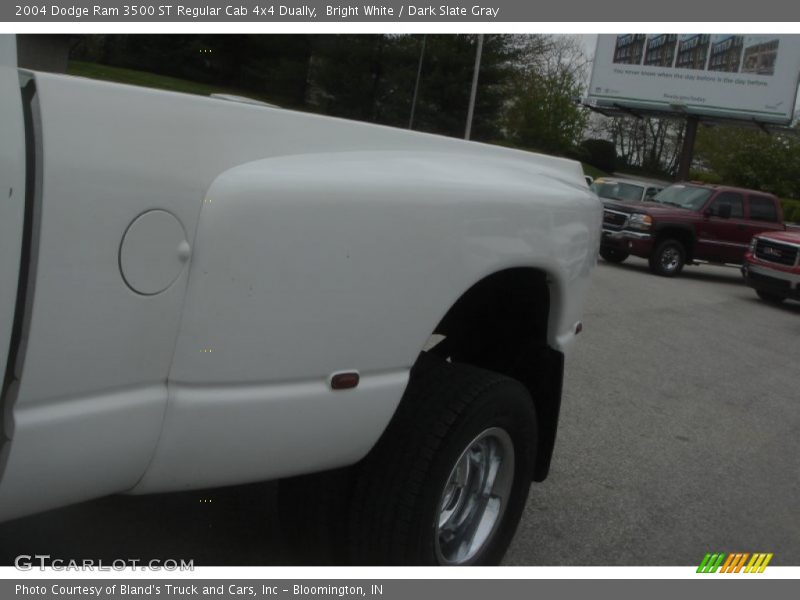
[770,297]
[613,255]
[447,483]
[668,258]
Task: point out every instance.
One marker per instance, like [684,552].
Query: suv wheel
[770,297]
[668,258]
[613,255]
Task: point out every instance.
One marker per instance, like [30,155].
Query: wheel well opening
[500,324]
[683,236]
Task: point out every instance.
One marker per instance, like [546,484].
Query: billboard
[751,77]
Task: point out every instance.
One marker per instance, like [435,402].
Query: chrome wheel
[447,482]
[475,497]
[670,259]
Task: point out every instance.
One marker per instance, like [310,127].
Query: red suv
[686,222]
[772,265]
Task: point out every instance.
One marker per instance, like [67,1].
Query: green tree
[372,78]
[526,88]
[543,111]
[751,158]
[363,77]
[273,66]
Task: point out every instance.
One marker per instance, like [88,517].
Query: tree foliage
[274,65]
[447,80]
[527,87]
[601,154]
[648,144]
[751,158]
[543,110]
[372,78]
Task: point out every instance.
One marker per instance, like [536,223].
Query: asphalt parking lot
[679,435]
[679,427]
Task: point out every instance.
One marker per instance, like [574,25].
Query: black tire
[613,255]
[400,486]
[668,258]
[770,297]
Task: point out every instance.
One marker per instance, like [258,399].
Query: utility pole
[416,85]
[473,93]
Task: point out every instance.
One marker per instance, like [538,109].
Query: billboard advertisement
[751,77]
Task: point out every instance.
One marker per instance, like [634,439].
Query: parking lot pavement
[679,427]
[679,435]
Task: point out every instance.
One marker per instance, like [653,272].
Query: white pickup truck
[198,292]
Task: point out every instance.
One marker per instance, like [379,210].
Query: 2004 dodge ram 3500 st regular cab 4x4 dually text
[198,292]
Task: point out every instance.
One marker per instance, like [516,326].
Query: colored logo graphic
[734,562]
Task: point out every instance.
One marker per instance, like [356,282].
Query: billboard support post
[687,150]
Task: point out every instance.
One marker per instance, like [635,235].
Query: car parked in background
[687,222]
[772,265]
[625,190]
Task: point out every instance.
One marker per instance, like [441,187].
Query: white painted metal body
[313,246]
[12,189]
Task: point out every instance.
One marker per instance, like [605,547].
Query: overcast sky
[589,40]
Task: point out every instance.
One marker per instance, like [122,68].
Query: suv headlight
[753,242]
[640,221]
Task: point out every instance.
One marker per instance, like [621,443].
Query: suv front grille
[776,252]
[614,220]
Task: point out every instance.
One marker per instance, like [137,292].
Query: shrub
[791,211]
[705,176]
[600,154]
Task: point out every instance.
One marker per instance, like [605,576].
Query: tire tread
[440,392]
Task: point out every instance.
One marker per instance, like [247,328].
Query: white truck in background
[196,292]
